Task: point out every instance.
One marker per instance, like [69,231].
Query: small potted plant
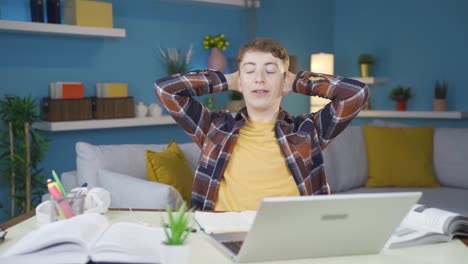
[175,249]
[210,102]
[400,95]
[174,61]
[236,103]
[365,62]
[440,96]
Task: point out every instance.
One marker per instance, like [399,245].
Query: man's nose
[260,77]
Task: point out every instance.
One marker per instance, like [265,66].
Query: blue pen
[78,193]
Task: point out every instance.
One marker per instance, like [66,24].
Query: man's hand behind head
[233,81]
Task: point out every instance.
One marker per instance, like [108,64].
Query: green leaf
[18,110]
[178,224]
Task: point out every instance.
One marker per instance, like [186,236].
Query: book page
[70,235]
[73,253]
[425,225]
[224,222]
[459,226]
[404,237]
[427,218]
[128,242]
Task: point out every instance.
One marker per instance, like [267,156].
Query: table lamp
[320,63]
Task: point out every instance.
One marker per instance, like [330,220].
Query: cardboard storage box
[66,109]
[104,108]
[88,13]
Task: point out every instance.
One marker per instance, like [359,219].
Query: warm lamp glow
[321,63]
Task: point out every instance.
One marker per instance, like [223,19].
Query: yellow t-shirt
[256,169]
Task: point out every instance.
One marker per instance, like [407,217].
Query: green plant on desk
[21,150]
[177,230]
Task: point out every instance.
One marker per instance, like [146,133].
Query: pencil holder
[64,208]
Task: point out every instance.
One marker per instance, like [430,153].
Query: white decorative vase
[141,110]
[154,110]
[175,254]
[217,60]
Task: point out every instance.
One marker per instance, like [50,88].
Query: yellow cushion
[399,157]
[170,167]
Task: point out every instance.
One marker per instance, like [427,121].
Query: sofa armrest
[130,192]
[69,180]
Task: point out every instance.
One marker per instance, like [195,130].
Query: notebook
[318,226]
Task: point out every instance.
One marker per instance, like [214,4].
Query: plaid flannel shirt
[301,138]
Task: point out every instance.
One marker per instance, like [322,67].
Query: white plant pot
[175,254]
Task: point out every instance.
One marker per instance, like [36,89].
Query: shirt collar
[283,116]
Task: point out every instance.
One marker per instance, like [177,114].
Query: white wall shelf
[370,80]
[413,114]
[104,123]
[59,29]
[226,2]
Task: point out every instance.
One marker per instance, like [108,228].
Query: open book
[425,225]
[87,237]
[210,222]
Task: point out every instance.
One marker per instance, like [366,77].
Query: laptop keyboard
[234,246]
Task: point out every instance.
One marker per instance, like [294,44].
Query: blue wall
[29,62]
[303,27]
[415,43]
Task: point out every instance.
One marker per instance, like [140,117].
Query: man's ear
[285,77]
[286,82]
[239,84]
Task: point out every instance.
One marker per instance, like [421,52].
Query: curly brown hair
[265,45]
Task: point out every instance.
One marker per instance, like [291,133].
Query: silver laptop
[318,226]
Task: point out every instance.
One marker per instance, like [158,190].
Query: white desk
[203,252]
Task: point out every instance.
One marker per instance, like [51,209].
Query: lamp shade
[321,63]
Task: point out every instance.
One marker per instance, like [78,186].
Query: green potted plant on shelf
[175,249]
[236,103]
[400,95]
[366,61]
[440,96]
[174,61]
[210,102]
[21,150]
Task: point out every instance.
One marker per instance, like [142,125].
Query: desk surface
[203,252]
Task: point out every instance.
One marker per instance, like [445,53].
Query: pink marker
[54,191]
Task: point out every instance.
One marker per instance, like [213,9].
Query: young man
[262,151]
